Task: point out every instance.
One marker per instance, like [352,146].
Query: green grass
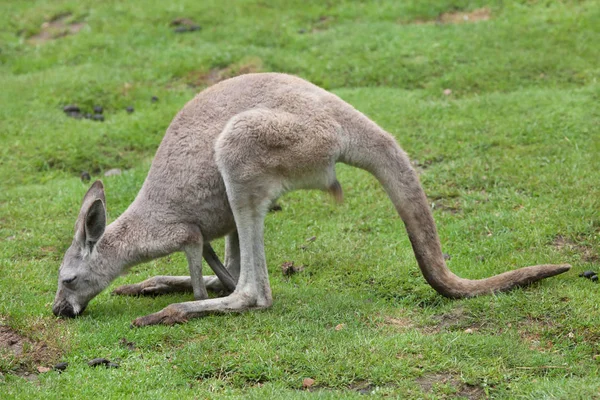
[510,161]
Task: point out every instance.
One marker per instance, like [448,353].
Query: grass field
[497,103]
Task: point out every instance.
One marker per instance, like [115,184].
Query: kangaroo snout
[64,309]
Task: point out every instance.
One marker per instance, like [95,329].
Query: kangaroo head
[80,277]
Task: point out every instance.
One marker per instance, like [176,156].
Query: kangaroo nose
[64,310]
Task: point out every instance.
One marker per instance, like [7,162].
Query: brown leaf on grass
[307,383]
[42,370]
[339,327]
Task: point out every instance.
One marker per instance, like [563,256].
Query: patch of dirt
[322,24]
[444,321]
[446,205]
[422,165]
[471,392]
[451,321]
[531,331]
[399,322]
[215,75]
[33,378]
[26,353]
[362,387]
[458,17]
[56,28]
[429,382]
[11,340]
[536,342]
[576,246]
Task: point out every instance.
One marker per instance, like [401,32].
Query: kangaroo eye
[69,279]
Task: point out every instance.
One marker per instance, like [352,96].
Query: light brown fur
[226,156]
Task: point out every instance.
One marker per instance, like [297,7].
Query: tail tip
[563,267]
[556,269]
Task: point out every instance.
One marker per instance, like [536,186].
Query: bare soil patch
[535,341]
[453,318]
[12,341]
[428,383]
[456,319]
[215,75]
[322,24]
[423,164]
[25,354]
[449,205]
[587,253]
[401,323]
[532,333]
[459,17]
[362,387]
[541,334]
[56,28]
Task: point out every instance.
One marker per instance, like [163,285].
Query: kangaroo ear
[92,216]
[95,222]
[96,191]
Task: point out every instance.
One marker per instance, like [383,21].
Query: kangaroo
[227,155]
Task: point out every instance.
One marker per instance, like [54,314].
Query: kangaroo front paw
[149,287]
[169,315]
[140,289]
[128,290]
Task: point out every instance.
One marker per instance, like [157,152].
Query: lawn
[498,105]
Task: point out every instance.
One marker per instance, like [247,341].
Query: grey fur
[226,156]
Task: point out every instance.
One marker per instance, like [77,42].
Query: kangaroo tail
[368,147]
